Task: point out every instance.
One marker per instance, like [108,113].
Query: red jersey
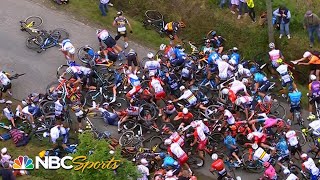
[186,118]
[218,165]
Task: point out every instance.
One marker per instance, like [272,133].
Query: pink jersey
[270,173]
[269,122]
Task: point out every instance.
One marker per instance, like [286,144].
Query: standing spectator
[103,6]
[234,6]
[242,6]
[251,11]
[222,3]
[120,21]
[284,16]
[312,24]
[6,172]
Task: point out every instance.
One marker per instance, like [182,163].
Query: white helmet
[304,155]
[250,136]
[150,55]
[214,156]
[162,47]
[69,70]
[244,80]
[271,45]
[194,124]
[72,50]
[306,54]
[240,68]
[98,31]
[235,48]
[4,150]
[143,161]
[238,101]
[111,152]
[225,91]
[151,73]
[225,57]
[313,77]
[182,88]
[167,142]
[255,146]
[185,111]
[8,102]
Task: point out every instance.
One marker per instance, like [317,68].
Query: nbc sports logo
[23,162]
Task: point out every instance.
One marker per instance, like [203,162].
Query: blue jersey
[228,141]
[110,118]
[282,147]
[295,97]
[170,162]
[260,78]
[213,57]
[235,57]
[179,54]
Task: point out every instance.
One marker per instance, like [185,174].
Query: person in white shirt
[5,85]
[151,65]
[309,166]
[56,132]
[286,78]
[293,142]
[7,112]
[103,6]
[243,72]
[105,37]
[224,68]
[67,49]
[260,154]
[143,169]
[5,157]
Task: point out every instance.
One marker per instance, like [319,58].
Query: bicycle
[31,24]
[154,20]
[87,55]
[46,40]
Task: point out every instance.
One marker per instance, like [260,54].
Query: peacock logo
[23,162]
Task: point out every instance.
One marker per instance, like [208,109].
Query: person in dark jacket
[284,17]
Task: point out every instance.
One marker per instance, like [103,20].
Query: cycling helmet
[313,77]
[69,70]
[254,146]
[238,101]
[214,156]
[111,152]
[162,47]
[98,31]
[193,124]
[150,55]
[244,80]
[8,102]
[225,91]
[235,49]
[213,33]
[105,104]
[182,88]
[266,164]
[225,57]
[208,41]
[167,142]
[185,111]
[306,54]
[151,73]
[250,136]
[143,161]
[253,70]
[162,155]
[4,150]
[178,46]
[271,45]
[42,154]
[303,156]
[119,13]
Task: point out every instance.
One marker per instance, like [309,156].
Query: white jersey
[58,108]
[81,70]
[237,86]
[245,99]
[133,80]
[230,119]
[200,134]
[274,55]
[189,96]
[283,71]
[66,45]
[292,177]
[292,138]
[223,68]
[144,171]
[4,80]
[177,150]
[257,134]
[156,85]
[55,133]
[246,72]
[103,35]
[309,164]
[176,138]
[152,66]
[261,155]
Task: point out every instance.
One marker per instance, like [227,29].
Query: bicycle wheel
[85,56]
[156,144]
[301,138]
[252,166]
[215,141]
[35,20]
[129,124]
[61,69]
[120,104]
[48,108]
[91,96]
[148,112]
[278,111]
[34,42]
[53,89]
[62,34]
[126,138]
[153,15]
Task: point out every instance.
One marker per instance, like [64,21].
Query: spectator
[5,157]
[312,24]
[251,11]
[242,6]
[103,6]
[284,16]
[6,172]
[234,5]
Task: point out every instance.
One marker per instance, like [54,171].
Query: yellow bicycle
[31,24]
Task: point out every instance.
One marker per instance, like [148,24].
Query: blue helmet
[162,155]
[253,70]
[213,33]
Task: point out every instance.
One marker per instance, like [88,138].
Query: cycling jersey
[245,72]
[109,117]
[315,88]
[283,71]
[260,78]
[186,118]
[155,83]
[186,73]
[223,68]
[4,80]
[168,161]
[217,41]
[260,154]
[213,57]
[172,82]
[121,23]
[310,165]
[133,110]
[234,58]
[237,86]
[274,55]
[175,149]
[58,107]
[144,172]
[170,109]
[292,138]
[259,137]
[270,173]
[8,113]
[218,165]
[199,134]
[66,45]
[229,141]
[176,138]
[103,35]
[32,109]
[207,49]
[56,132]
[189,96]
[169,52]
[202,98]
[295,98]
[133,80]
[179,54]
[246,100]
[282,147]
[152,66]
[230,119]
[79,71]
[172,26]
[269,122]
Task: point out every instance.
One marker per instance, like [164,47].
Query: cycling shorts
[6,87]
[133,91]
[160,95]
[177,62]
[183,159]
[202,145]
[109,42]
[132,59]
[264,87]
[295,108]
[118,36]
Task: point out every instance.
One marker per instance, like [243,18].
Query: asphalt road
[41,68]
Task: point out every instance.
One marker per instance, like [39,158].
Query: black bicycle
[154,20]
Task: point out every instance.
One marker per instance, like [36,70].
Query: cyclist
[313,61]
[105,37]
[283,152]
[234,57]
[5,85]
[178,57]
[243,72]
[167,51]
[293,142]
[59,107]
[237,87]
[67,49]
[111,118]
[151,65]
[188,96]
[260,139]
[260,154]
[231,145]
[207,48]
[295,99]
[209,75]
[245,103]
[275,56]
[269,172]
[7,112]
[314,94]
[185,116]
[134,81]
[132,111]
[169,110]
[200,137]
[172,29]
[173,84]
[132,58]
[224,68]
[31,112]
[203,100]
[218,165]
[188,71]
[155,85]
[308,166]
[143,169]
[81,74]
[58,131]
[286,78]
[227,116]
[217,41]
[120,21]
[261,82]
[175,149]
[169,163]
[213,57]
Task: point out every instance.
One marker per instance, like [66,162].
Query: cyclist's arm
[129,25]
[114,23]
